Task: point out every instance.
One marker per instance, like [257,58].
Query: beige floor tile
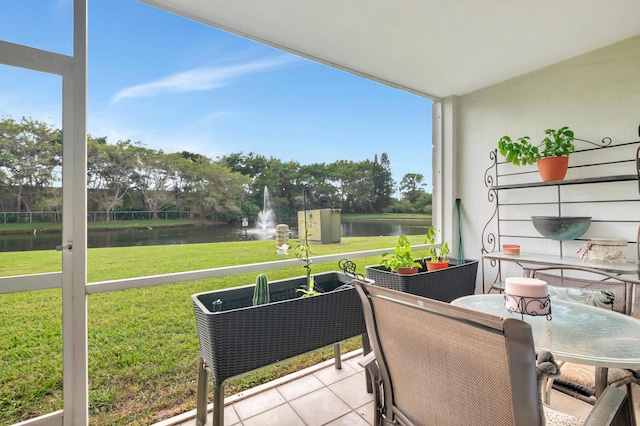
[352,390]
[330,375]
[257,404]
[278,416]
[351,419]
[299,387]
[353,363]
[367,412]
[320,407]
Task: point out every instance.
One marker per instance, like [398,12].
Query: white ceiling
[435,48]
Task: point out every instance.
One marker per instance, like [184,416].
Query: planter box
[444,285]
[242,337]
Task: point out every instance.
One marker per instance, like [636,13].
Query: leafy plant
[436,255]
[302,252]
[520,152]
[401,257]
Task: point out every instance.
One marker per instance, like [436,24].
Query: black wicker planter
[444,284]
[242,337]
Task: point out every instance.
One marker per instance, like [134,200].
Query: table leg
[601,380]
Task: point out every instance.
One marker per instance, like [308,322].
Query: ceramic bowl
[561,228]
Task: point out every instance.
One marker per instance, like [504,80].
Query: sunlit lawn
[143,346]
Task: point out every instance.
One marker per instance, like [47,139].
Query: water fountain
[266,222]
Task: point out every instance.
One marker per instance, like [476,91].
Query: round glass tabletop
[576,332]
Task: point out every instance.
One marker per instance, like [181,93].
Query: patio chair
[437,364]
[616,287]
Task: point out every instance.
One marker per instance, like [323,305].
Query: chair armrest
[368,360]
[612,408]
[371,365]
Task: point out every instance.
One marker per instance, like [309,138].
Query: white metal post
[444,165]
[74,227]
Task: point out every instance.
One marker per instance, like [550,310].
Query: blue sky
[175,84]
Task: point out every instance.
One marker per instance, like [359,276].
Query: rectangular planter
[242,337]
[444,285]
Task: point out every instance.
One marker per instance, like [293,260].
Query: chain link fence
[54,216]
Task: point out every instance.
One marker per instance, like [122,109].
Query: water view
[199,234]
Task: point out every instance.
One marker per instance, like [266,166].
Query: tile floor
[318,395]
[322,395]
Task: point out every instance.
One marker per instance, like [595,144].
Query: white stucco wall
[596,95]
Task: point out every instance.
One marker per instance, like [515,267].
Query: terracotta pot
[407,270]
[553,168]
[434,266]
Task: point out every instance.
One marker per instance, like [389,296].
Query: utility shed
[324,225]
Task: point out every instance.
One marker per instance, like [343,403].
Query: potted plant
[457,280]
[438,258]
[302,252]
[401,260]
[551,155]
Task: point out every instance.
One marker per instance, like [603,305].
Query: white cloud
[200,139]
[215,116]
[199,79]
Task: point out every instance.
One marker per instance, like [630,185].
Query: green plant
[302,252]
[520,152]
[435,254]
[401,257]
[261,292]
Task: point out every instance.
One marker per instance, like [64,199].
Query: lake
[200,234]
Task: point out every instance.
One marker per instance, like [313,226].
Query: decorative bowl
[561,228]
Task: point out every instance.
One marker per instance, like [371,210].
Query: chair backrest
[604,299]
[443,364]
[618,288]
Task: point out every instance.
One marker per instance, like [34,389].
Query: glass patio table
[578,333]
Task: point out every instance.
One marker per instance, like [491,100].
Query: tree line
[130,176]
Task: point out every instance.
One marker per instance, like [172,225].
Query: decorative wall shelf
[619,178]
[496,182]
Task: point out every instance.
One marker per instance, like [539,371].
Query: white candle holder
[526,305]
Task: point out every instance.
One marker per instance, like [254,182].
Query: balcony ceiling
[434,48]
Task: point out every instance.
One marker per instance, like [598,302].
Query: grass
[143,345]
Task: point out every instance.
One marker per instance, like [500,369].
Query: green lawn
[143,345]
